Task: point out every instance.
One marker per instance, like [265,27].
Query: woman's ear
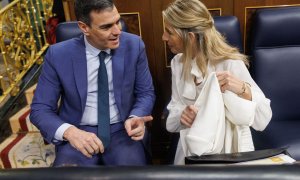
[192,36]
[84,28]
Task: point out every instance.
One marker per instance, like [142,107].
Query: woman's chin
[174,51]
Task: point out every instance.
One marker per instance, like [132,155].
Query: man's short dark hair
[83,8]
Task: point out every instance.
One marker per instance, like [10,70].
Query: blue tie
[103,102]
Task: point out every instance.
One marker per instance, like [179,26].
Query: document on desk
[278,159]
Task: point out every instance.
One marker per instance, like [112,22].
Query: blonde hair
[192,16]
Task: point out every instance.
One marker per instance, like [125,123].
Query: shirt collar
[189,90]
[94,51]
[195,70]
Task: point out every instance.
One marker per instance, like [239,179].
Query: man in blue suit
[70,73]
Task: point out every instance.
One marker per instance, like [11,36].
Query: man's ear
[84,28]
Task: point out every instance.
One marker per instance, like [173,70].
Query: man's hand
[135,127]
[85,142]
[188,115]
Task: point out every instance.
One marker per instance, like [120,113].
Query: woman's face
[172,39]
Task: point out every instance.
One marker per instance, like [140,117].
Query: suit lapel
[118,73]
[80,71]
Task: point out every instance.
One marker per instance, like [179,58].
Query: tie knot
[102,55]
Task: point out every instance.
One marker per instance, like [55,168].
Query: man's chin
[114,45]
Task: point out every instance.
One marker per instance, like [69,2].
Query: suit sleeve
[143,90]
[45,102]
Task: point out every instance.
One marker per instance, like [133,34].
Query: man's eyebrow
[104,26]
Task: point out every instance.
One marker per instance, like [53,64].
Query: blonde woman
[201,49]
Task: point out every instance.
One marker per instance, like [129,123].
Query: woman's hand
[231,83]
[188,115]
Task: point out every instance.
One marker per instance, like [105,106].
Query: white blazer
[230,134]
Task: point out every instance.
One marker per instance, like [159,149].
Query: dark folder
[234,157]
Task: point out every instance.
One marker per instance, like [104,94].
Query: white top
[182,90]
[257,113]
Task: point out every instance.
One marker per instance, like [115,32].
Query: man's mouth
[114,39]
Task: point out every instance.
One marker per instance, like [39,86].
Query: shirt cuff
[132,116]
[60,131]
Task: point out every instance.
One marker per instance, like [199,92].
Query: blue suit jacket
[64,76]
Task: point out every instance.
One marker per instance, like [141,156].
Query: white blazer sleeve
[239,111]
[175,106]
[263,112]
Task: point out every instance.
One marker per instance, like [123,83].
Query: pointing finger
[147,118]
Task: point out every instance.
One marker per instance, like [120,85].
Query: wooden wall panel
[142,7]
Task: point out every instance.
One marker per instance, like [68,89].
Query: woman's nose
[164,37]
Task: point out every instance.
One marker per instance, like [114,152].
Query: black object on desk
[234,157]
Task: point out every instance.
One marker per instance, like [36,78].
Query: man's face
[104,30]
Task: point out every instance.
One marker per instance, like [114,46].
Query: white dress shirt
[90,112]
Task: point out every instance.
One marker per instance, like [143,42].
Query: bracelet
[244,88]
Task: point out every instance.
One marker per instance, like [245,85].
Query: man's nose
[116,30]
